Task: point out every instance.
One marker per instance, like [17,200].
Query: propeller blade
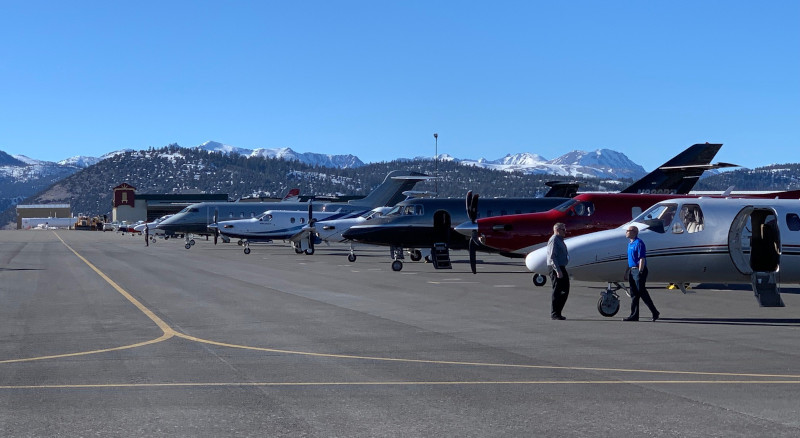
[216,230]
[469,201]
[473,247]
[472,208]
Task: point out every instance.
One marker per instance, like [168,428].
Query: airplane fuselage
[733,239]
[419,223]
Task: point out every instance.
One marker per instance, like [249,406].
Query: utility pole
[436,164]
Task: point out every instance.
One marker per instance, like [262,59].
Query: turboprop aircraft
[426,223]
[330,230]
[271,225]
[702,240]
[196,218]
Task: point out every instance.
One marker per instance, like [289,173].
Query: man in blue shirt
[637,263]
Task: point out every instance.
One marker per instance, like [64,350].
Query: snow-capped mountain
[602,163]
[313,159]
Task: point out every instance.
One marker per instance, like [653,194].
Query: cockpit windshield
[566,205]
[265,216]
[663,213]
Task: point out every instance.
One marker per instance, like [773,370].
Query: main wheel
[297,250]
[539,280]
[247,250]
[240,242]
[187,246]
[351,258]
[416,255]
[192,242]
[608,304]
[310,251]
[397,265]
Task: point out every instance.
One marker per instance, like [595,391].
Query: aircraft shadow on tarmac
[20,269]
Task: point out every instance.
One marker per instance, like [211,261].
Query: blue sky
[378,78]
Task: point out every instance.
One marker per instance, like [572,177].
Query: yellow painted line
[479,364]
[169,332]
[163,337]
[404,383]
[159,322]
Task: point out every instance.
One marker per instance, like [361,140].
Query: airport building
[129,206]
[32,215]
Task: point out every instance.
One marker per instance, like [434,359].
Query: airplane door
[754,241]
[441,226]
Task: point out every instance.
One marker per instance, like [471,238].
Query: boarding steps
[441,256]
[765,288]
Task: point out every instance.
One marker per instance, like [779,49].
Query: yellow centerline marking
[169,333]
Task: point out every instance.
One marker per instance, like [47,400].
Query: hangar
[52,214]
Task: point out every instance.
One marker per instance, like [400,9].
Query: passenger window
[291,220]
[692,218]
[793,222]
[419,210]
[302,220]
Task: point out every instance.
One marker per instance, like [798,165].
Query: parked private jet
[427,223]
[330,230]
[703,240]
[196,218]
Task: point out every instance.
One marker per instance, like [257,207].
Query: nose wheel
[539,280]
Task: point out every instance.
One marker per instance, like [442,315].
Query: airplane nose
[536,261]
[466,228]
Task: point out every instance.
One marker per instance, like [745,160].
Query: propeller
[472,213]
[311,233]
[216,228]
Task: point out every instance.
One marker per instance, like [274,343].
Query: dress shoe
[630,318]
[558,318]
[655,316]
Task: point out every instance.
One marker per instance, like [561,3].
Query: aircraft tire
[539,280]
[298,251]
[187,246]
[240,242]
[608,304]
[247,250]
[397,265]
[192,242]
[351,258]
[310,251]
[416,255]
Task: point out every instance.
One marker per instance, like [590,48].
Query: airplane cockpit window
[566,205]
[793,221]
[265,217]
[692,218]
[395,211]
[412,210]
[661,214]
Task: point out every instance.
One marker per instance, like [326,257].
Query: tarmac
[103,336]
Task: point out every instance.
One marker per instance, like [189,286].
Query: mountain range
[86,182]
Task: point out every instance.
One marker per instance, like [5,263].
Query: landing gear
[351,257]
[415,255]
[539,280]
[187,246]
[397,257]
[608,304]
[246,247]
[188,241]
[309,251]
[240,242]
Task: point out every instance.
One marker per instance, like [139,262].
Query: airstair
[441,256]
[766,289]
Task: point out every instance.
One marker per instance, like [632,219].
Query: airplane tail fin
[681,173]
[292,195]
[390,192]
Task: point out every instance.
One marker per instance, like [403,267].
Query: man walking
[637,264]
[557,259]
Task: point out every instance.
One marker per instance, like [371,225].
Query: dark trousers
[637,280]
[560,291]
